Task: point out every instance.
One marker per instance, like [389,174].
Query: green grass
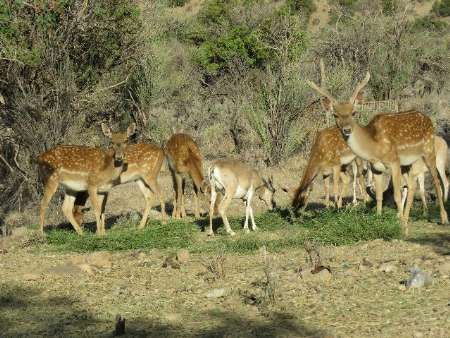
[277,231]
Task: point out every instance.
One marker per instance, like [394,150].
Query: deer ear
[131,129]
[106,130]
[326,104]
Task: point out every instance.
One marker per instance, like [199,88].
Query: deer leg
[421,181]
[430,160]
[175,189]
[345,179]
[80,201]
[67,208]
[49,190]
[183,207]
[247,209]
[326,188]
[212,207]
[378,178]
[441,165]
[355,182]
[196,205]
[148,202]
[411,183]
[102,198]
[223,207]
[97,209]
[396,181]
[336,174]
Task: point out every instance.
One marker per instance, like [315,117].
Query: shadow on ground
[438,241]
[28,311]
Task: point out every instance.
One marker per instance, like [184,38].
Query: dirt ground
[46,293]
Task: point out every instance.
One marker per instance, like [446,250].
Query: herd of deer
[395,141]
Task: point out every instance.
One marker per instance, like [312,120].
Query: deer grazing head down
[267,192]
[344,112]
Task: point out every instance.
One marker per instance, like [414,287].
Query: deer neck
[111,167]
[362,143]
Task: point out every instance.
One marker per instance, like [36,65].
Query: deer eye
[335,116]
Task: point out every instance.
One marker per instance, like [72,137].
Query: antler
[360,86]
[321,91]
[322,74]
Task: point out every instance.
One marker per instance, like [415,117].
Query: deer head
[268,192]
[119,142]
[343,112]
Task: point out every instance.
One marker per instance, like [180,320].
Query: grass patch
[278,231]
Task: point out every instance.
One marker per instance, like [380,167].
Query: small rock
[216,293]
[366,262]
[387,268]
[183,256]
[171,262]
[31,277]
[323,275]
[418,335]
[418,278]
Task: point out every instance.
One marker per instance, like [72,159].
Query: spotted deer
[185,160]
[388,142]
[144,162]
[419,169]
[80,168]
[330,155]
[236,180]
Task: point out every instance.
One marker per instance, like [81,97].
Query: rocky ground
[359,291]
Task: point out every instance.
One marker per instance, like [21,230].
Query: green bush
[442,8]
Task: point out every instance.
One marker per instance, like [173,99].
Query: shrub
[441,8]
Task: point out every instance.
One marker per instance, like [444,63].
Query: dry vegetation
[232,74]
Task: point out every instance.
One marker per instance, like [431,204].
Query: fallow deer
[237,181]
[184,159]
[144,162]
[80,168]
[419,169]
[329,155]
[388,141]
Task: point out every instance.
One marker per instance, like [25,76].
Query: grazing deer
[237,180]
[144,162]
[329,155]
[80,168]
[388,141]
[184,159]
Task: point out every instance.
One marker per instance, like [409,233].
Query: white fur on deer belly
[379,166]
[347,159]
[408,159]
[240,192]
[75,185]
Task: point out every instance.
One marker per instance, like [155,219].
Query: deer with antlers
[237,181]
[388,141]
[184,159]
[80,168]
[329,155]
